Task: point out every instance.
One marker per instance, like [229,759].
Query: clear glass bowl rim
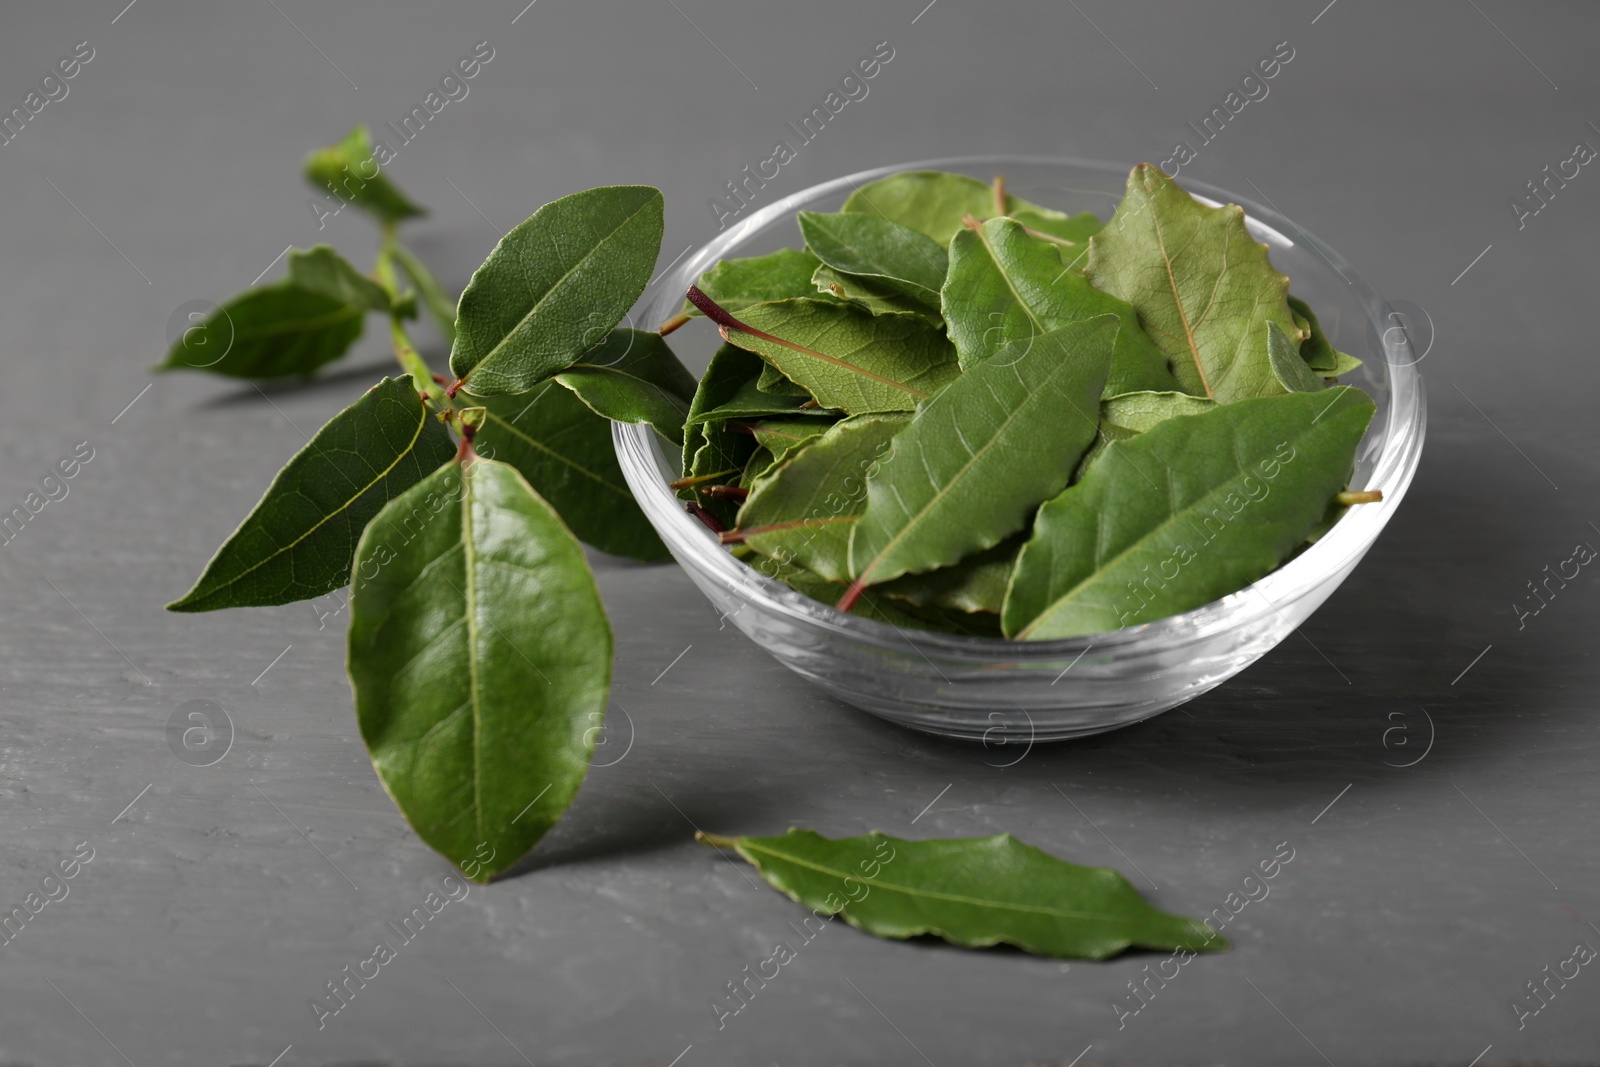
[638,446]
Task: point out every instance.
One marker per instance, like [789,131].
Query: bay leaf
[481,658]
[1291,371]
[555,286]
[773,381]
[323,270]
[976,892]
[1005,286]
[1131,414]
[899,614]
[348,170]
[878,250]
[1070,233]
[737,283]
[711,453]
[298,541]
[1193,509]
[846,357]
[271,331]
[632,376]
[982,454]
[1316,349]
[564,450]
[802,510]
[875,297]
[782,436]
[1203,288]
[934,203]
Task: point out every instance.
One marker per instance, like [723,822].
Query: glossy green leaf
[271,331]
[1193,509]
[1204,289]
[1005,286]
[976,583]
[803,509]
[934,203]
[1287,366]
[437,301]
[1316,349]
[712,454]
[481,657]
[980,456]
[871,247]
[297,542]
[1131,414]
[782,436]
[632,376]
[772,381]
[737,283]
[876,297]
[564,450]
[975,892]
[348,170]
[322,270]
[751,401]
[555,286]
[847,358]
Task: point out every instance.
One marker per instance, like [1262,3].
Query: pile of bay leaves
[957,410]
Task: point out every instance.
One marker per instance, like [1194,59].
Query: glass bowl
[998,691]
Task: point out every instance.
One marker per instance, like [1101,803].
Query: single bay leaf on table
[803,509]
[1203,288]
[298,541]
[271,331]
[481,658]
[976,583]
[554,287]
[975,892]
[878,250]
[979,457]
[1195,508]
[1316,349]
[844,356]
[347,170]
[876,297]
[321,269]
[632,376]
[1005,286]
[934,203]
[1131,414]
[564,451]
[735,284]
[1291,371]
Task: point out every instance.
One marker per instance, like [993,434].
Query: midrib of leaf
[1177,299]
[797,524]
[835,360]
[511,427]
[263,561]
[470,554]
[983,238]
[1100,565]
[954,898]
[912,521]
[554,287]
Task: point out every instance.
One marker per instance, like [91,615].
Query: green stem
[404,351]
[433,295]
[715,840]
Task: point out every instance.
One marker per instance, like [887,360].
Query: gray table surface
[220,899]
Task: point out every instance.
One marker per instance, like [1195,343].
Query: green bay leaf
[802,510]
[847,358]
[879,251]
[737,283]
[934,203]
[632,376]
[975,892]
[555,286]
[1005,285]
[1291,371]
[981,455]
[975,583]
[273,331]
[564,450]
[481,658]
[297,542]
[323,270]
[1131,414]
[1316,349]
[348,170]
[1193,509]
[871,294]
[1203,288]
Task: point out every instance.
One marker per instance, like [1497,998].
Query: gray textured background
[224,897]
